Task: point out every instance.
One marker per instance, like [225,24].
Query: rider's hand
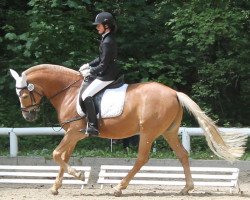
[85,66]
[85,72]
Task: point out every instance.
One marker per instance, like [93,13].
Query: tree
[210,40]
[200,48]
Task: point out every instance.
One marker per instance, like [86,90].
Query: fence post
[111,145]
[13,144]
[186,140]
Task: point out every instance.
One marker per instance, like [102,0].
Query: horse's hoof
[53,191]
[117,192]
[185,190]
[81,176]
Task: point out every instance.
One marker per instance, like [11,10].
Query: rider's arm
[95,62]
[104,59]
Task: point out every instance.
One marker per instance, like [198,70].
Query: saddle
[98,96]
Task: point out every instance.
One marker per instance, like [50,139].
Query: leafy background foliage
[198,47]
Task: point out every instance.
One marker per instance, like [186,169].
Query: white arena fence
[25,174]
[113,174]
[13,134]
[171,176]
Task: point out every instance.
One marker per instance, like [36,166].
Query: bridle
[32,90]
[34,105]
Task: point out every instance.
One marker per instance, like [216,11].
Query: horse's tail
[228,146]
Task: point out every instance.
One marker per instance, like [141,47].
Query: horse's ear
[14,74]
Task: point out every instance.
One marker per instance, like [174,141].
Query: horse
[151,109]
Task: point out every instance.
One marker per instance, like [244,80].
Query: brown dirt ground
[41,192]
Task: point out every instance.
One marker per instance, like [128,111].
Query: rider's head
[105,22]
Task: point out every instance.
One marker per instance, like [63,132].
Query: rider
[104,68]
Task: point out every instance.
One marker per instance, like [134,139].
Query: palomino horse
[151,109]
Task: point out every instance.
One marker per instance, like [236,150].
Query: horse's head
[29,95]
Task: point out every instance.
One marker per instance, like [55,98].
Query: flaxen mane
[50,67]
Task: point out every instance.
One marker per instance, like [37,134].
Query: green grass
[120,153]
[96,147]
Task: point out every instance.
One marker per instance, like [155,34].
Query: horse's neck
[54,84]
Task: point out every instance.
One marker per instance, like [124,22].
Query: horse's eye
[25,96]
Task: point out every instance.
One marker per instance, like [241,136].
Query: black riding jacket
[104,66]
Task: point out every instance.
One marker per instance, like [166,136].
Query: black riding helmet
[106,18]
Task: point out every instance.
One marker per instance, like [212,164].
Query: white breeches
[94,87]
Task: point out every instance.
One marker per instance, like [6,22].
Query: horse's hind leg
[142,158]
[171,135]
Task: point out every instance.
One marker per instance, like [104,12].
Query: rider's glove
[85,66]
[85,72]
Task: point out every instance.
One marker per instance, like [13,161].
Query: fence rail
[13,134]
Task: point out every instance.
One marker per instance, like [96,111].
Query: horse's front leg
[142,158]
[58,182]
[59,178]
[62,154]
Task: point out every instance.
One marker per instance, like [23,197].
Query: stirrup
[90,130]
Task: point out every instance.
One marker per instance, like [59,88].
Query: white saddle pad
[112,102]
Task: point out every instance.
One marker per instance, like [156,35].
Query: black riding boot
[92,123]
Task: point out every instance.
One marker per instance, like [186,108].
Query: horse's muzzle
[31,115]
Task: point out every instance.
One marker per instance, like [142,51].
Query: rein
[67,121]
[61,91]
